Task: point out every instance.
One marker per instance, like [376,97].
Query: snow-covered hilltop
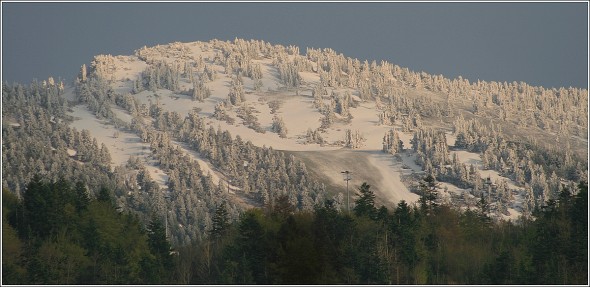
[253,124]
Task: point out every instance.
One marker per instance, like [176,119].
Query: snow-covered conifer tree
[278,126]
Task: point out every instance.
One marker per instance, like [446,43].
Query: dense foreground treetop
[58,235]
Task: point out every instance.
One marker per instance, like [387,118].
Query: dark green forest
[59,234]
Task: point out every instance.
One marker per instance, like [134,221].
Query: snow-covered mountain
[510,143]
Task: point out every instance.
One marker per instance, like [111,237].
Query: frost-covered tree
[341,104]
[83,73]
[391,142]
[352,139]
[161,75]
[255,72]
[209,74]
[278,126]
[386,118]
[313,136]
[327,120]
[288,73]
[236,92]
[200,91]
[220,111]
[318,92]
[246,113]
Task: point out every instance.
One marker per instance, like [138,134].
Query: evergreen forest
[58,234]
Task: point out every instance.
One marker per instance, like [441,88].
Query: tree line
[58,234]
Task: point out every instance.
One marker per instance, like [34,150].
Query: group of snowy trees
[337,109]
[161,75]
[431,149]
[288,72]
[407,112]
[342,104]
[41,142]
[513,160]
[538,169]
[44,144]
[246,113]
[314,136]
[236,92]
[200,92]
[534,105]
[193,194]
[353,139]
[391,142]
[278,126]
[517,103]
[238,57]
[103,66]
[555,110]
[96,93]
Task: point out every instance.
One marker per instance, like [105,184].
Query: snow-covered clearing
[405,137]
[168,100]
[409,162]
[468,158]
[394,189]
[128,69]
[157,175]
[373,167]
[121,114]
[451,138]
[298,114]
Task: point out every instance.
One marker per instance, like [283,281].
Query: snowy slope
[296,107]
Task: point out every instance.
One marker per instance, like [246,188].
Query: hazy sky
[538,43]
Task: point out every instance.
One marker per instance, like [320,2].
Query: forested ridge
[37,112]
[58,234]
[76,213]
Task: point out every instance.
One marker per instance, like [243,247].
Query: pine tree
[353,140]
[428,189]
[160,248]
[365,203]
[236,93]
[278,126]
[391,142]
[220,221]
[200,91]
[82,198]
